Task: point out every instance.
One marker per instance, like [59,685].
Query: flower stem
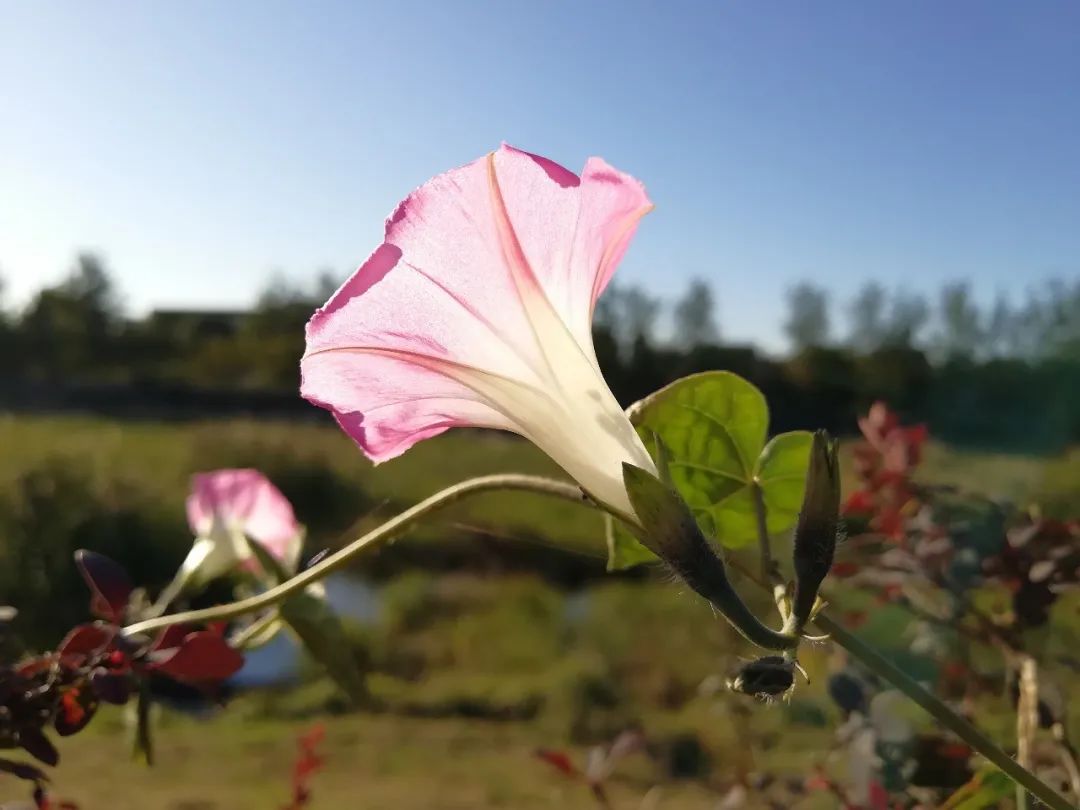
[1027,720]
[389,530]
[769,570]
[936,708]
[929,702]
[395,526]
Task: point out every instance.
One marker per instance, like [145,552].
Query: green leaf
[624,550]
[714,427]
[271,565]
[985,790]
[319,629]
[311,619]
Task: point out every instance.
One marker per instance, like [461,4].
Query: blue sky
[202,145]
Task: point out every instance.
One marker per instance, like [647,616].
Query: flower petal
[243,499]
[573,233]
[439,287]
[477,309]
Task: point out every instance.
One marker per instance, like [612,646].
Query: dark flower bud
[815,532]
[669,530]
[767,677]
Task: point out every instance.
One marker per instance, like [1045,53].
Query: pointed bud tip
[816,530]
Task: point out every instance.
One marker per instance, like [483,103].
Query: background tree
[74,326]
[327,282]
[867,316]
[629,314]
[999,327]
[695,317]
[807,324]
[960,324]
[1062,318]
[908,316]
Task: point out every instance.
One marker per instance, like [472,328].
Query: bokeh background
[854,203]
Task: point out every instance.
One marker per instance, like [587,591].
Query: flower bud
[669,530]
[815,532]
[767,677]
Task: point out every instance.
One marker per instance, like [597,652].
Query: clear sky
[202,145]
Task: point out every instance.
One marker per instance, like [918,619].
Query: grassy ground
[473,675]
[372,763]
[478,658]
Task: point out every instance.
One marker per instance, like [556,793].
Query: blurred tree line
[977,374]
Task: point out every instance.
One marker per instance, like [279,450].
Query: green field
[497,630]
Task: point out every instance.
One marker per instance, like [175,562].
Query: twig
[770,572]
[868,656]
[1027,721]
[392,528]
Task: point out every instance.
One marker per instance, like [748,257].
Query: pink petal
[573,234]
[247,498]
[437,318]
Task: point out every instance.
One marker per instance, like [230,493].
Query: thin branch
[868,656]
[770,572]
[936,708]
[389,530]
[1027,721]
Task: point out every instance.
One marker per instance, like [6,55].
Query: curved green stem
[769,570]
[933,705]
[389,530]
[936,708]
[395,526]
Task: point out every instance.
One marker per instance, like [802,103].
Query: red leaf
[171,636]
[559,760]
[109,584]
[23,770]
[844,569]
[202,657]
[861,502]
[86,639]
[35,743]
[34,666]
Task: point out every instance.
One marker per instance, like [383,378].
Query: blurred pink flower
[477,310]
[227,506]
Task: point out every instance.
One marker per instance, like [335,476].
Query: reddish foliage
[307,764]
[109,584]
[201,657]
[884,462]
[95,662]
[559,760]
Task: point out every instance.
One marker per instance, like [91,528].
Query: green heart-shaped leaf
[714,426]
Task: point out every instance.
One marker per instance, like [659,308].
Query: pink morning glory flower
[476,310]
[227,506]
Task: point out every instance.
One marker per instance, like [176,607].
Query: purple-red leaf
[37,745]
[109,584]
[172,636]
[559,760]
[202,657]
[23,770]
[111,687]
[86,639]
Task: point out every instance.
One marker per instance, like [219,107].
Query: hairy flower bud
[815,532]
[767,677]
[669,530]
